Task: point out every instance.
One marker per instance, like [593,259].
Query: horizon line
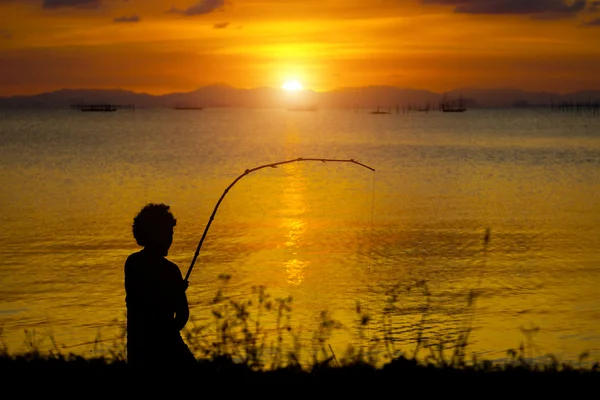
[304,90]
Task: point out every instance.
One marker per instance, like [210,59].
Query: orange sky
[424,44]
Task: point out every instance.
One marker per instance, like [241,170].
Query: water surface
[327,234]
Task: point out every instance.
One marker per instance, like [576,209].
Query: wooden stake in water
[248,171]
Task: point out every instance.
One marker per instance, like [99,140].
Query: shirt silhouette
[157,306]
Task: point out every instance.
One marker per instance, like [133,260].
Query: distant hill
[362,97]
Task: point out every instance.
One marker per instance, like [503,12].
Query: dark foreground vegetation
[400,370]
[238,348]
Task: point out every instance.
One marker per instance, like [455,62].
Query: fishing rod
[247,172]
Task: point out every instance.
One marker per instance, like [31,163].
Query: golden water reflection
[296,232]
[295,271]
[293,200]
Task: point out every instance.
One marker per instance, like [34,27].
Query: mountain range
[362,97]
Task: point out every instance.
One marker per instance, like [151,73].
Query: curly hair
[151,221]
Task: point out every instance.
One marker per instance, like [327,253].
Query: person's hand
[185,285]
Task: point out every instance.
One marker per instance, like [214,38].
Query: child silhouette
[157,306]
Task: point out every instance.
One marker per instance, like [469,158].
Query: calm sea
[406,241]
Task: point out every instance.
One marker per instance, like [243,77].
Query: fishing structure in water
[247,172]
[591,107]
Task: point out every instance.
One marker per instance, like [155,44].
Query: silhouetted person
[157,307]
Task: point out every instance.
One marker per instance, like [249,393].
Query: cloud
[5,34]
[133,18]
[52,4]
[202,7]
[221,25]
[535,8]
[594,6]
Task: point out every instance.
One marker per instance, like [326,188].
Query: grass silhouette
[239,345]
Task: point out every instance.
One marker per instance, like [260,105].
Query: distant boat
[99,107]
[460,109]
[187,108]
[308,108]
[379,112]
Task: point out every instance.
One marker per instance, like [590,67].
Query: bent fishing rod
[247,172]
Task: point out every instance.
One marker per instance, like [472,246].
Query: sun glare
[292,86]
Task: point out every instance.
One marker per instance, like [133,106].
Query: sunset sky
[161,46]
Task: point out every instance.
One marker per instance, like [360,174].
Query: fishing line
[474,294]
[370,263]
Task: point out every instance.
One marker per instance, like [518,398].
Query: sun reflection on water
[295,271]
[293,197]
[295,233]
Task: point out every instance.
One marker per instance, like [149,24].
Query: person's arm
[131,284]
[182,309]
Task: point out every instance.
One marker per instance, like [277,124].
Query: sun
[292,86]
